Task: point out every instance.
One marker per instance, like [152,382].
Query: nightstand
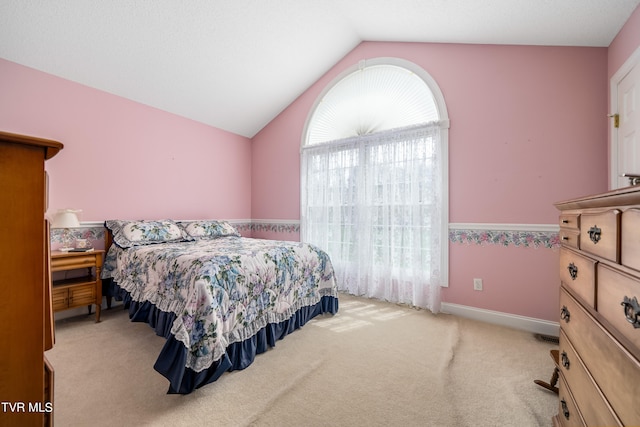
[77,291]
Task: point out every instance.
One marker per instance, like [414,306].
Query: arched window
[374,182]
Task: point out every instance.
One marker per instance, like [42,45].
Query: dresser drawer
[630,238]
[62,263]
[614,370]
[614,289]
[569,237]
[570,230]
[568,411]
[597,411]
[570,220]
[599,234]
[579,273]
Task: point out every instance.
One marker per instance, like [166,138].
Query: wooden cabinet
[26,382]
[80,290]
[599,347]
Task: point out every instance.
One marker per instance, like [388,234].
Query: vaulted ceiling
[236,64]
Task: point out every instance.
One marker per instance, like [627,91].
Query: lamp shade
[66,218]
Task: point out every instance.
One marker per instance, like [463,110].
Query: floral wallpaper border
[519,238]
[474,234]
[96,233]
[278,227]
[93,234]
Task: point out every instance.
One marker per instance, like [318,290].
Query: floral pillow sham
[209,229]
[138,233]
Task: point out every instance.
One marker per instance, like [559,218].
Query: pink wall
[517,114]
[122,159]
[625,43]
[522,281]
[528,128]
[293,236]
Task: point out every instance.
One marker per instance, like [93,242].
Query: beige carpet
[373,364]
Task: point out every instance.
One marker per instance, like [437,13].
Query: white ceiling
[236,64]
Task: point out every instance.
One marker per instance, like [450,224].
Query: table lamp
[66,219]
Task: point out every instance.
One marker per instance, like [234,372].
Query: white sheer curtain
[373,202]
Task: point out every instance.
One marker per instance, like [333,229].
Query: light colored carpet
[372,364]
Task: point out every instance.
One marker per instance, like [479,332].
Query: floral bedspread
[222,290]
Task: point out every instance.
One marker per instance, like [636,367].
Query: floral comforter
[222,290]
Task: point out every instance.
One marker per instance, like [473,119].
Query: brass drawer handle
[573,271]
[565,409]
[631,310]
[564,314]
[594,234]
[565,360]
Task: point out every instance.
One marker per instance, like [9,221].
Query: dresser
[26,377]
[599,349]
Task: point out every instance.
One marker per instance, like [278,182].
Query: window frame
[443,118]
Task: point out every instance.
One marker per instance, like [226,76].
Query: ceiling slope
[236,64]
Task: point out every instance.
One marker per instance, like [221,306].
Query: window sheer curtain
[373,202]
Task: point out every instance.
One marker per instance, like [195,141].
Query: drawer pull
[594,234]
[632,310]
[565,360]
[564,314]
[565,221]
[565,409]
[573,271]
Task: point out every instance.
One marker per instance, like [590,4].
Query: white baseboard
[530,324]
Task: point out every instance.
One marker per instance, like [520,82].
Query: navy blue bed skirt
[172,359]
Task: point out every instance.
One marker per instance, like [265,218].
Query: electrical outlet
[477,284]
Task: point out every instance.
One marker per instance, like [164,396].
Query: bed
[218,298]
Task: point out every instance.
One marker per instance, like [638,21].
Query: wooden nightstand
[77,291]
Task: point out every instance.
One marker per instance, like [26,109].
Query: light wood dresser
[599,351]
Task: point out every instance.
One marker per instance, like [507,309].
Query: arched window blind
[369,100]
[373,185]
